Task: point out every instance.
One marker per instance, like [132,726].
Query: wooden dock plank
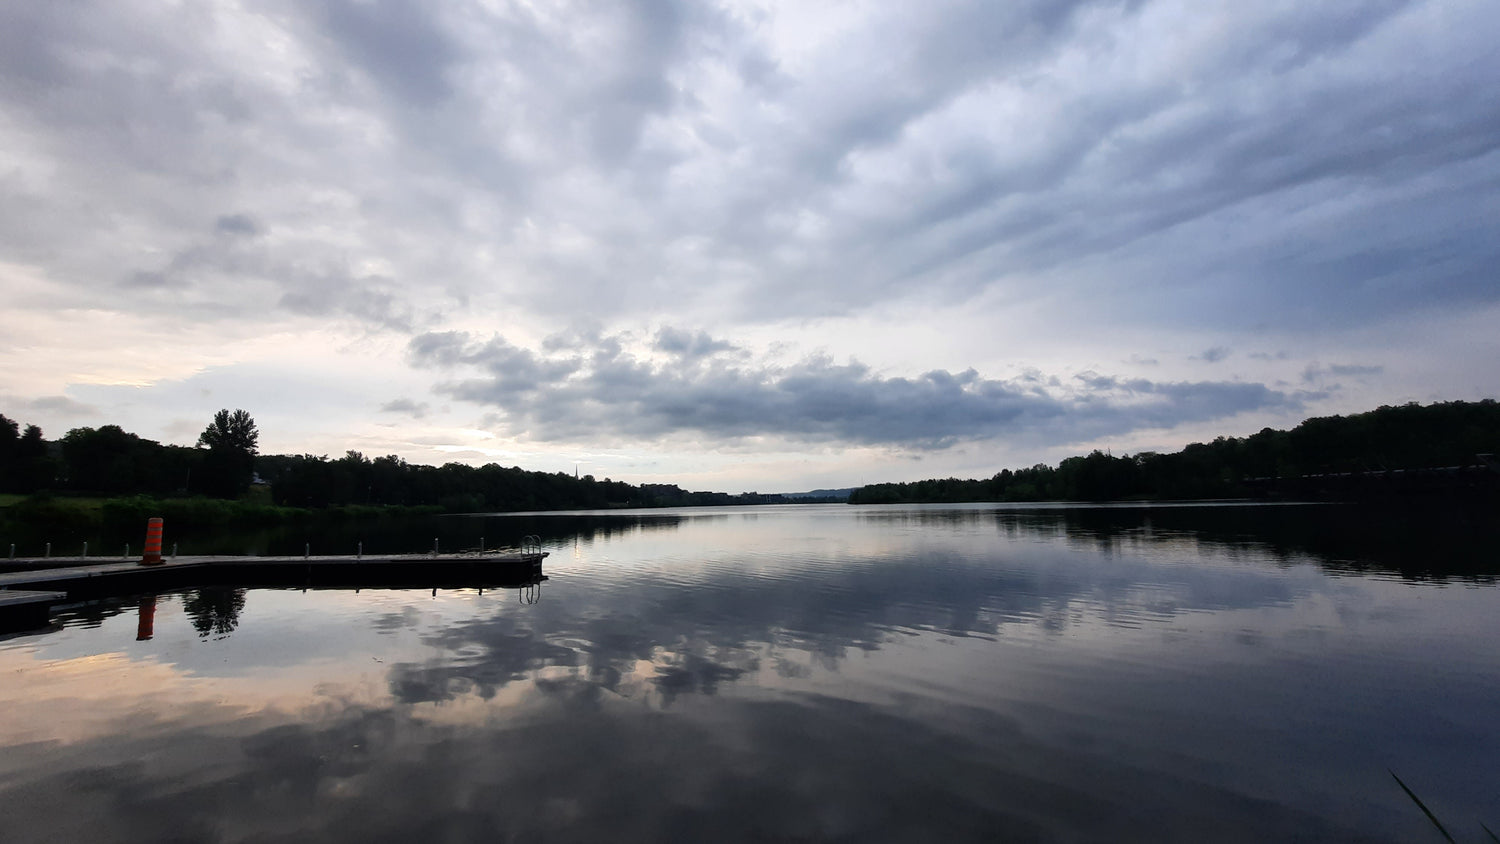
[17,598]
[26,597]
[25,609]
[189,570]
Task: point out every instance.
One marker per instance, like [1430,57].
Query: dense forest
[309,481]
[113,463]
[1407,437]
[225,464]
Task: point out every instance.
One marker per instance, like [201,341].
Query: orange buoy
[152,556]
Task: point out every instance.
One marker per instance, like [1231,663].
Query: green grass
[50,512]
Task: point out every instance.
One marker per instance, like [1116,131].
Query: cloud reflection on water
[984,675]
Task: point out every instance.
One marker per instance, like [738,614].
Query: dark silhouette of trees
[214,611]
[110,461]
[228,467]
[234,431]
[107,460]
[26,463]
[1406,437]
[10,438]
[316,481]
[34,463]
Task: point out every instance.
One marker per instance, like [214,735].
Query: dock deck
[72,580]
[23,610]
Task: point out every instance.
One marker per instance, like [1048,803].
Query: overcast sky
[746,245]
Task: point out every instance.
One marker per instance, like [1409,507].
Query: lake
[819,672]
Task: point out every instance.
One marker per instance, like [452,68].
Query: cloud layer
[1066,187]
[777,161]
[583,394]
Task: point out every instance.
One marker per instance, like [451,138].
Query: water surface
[799,672]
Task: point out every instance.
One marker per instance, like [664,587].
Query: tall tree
[36,468]
[232,442]
[234,431]
[10,438]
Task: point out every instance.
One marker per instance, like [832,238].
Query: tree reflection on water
[215,611]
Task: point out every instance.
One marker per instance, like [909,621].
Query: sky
[745,245]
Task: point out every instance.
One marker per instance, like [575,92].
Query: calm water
[798,673]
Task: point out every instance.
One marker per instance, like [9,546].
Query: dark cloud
[237,224]
[1355,369]
[405,406]
[688,345]
[1323,164]
[587,394]
[515,372]
[1317,372]
[399,43]
[371,300]
[1135,162]
[1213,355]
[63,405]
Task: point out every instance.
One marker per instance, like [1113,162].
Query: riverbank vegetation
[1407,437]
[95,477]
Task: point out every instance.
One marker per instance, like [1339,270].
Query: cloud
[237,224]
[608,391]
[1090,172]
[1213,355]
[62,405]
[1355,369]
[405,406]
[1320,163]
[1317,372]
[368,299]
[399,44]
[690,346]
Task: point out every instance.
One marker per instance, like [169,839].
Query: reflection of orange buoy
[145,625]
[152,556]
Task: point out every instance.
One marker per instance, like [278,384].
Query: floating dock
[27,595]
[24,610]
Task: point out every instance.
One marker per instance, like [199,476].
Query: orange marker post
[152,556]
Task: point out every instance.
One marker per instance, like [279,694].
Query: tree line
[355,479]
[111,462]
[1410,436]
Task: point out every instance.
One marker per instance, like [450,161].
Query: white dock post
[49,550]
[359,554]
[85,553]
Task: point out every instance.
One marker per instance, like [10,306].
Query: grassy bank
[68,515]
